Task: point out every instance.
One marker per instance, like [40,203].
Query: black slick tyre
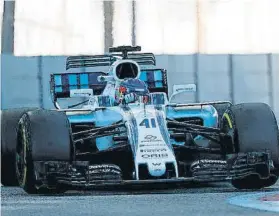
[43,135]
[254,128]
[9,123]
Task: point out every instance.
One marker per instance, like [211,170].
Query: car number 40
[148,122]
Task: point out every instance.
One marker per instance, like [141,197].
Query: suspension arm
[98,130]
[192,126]
[207,135]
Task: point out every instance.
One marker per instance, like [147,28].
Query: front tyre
[9,123]
[42,136]
[253,128]
[253,182]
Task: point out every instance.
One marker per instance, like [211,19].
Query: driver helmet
[135,87]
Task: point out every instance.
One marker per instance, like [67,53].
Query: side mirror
[178,89]
[105,78]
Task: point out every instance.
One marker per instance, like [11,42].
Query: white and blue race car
[123,128]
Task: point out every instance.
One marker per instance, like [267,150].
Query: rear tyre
[9,123]
[253,127]
[43,135]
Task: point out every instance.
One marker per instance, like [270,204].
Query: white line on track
[253,201]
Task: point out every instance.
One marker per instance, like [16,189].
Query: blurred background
[228,48]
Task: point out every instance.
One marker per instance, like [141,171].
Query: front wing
[235,167]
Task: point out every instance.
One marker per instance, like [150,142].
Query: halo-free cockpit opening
[127,70]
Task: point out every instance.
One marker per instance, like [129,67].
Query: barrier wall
[238,78]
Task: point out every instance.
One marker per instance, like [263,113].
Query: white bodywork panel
[151,143]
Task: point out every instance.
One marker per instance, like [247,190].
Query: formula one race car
[120,128]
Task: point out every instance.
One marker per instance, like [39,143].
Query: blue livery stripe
[143,76]
[154,79]
[84,83]
[58,83]
[73,81]
[158,84]
[158,76]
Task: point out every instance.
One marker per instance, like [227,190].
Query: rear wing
[62,83]
[108,60]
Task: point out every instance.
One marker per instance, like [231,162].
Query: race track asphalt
[191,200]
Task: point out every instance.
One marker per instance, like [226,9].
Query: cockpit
[124,69]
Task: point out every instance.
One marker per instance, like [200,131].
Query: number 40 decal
[147,122]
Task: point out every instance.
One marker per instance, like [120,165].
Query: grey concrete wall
[251,81]
[275,83]
[181,70]
[238,78]
[19,81]
[213,78]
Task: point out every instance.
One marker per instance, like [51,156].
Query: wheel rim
[20,157]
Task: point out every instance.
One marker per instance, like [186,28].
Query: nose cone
[156,169]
